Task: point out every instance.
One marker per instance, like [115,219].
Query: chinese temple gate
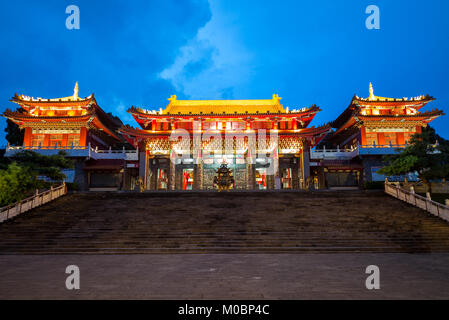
[367,130]
[265,145]
[77,126]
[64,122]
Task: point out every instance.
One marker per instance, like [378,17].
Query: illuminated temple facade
[367,130]
[65,122]
[181,146]
[79,127]
[265,145]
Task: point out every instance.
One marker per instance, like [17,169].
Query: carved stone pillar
[305,165]
[296,173]
[198,176]
[150,175]
[251,177]
[172,172]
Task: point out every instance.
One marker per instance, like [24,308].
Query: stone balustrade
[425,203]
[27,204]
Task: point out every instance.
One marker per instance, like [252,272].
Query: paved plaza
[226,276]
[249,245]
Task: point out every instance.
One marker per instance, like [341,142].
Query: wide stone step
[224,223]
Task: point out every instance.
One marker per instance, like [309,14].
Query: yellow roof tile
[224,106]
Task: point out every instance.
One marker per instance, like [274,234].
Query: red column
[400,138]
[83,137]
[381,138]
[46,140]
[27,137]
[363,136]
[65,138]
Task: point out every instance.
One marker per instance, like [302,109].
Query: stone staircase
[236,222]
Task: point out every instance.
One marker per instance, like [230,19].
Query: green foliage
[399,165]
[49,166]
[427,154]
[19,178]
[15,183]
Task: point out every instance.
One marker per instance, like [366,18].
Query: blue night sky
[309,52]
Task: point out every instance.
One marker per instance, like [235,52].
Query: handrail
[333,150]
[86,150]
[46,148]
[334,153]
[70,148]
[442,211]
[29,203]
[367,146]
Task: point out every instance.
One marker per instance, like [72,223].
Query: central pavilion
[264,144]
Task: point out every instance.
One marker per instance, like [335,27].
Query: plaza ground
[253,245]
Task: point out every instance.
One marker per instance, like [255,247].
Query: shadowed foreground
[247,222]
[226,276]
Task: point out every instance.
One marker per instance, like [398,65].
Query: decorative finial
[172,98]
[76,91]
[276,97]
[371,92]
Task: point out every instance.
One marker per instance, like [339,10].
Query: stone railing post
[36,198]
[428,196]
[447,202]
[412,190]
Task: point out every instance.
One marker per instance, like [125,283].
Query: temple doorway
[261,178]
[187,179]
[286,178]
[162,179]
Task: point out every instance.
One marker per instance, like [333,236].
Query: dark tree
[427,154]
[14,134]
[49,166]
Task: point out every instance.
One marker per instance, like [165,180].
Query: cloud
[215,64]
[117,54]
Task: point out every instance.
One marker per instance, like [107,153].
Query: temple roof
[136,132]
[71,111]
[224,106]
[26,102]
[373,100]
[214,114]
[18,116]
[421,116]
[133,135]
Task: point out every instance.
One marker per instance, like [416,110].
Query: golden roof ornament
[172,99]
[276,98]
[371,92]
[76,91]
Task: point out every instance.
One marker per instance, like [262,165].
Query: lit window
[37,140]
[55,140]
[390,138]
[73,140]
[371,139]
